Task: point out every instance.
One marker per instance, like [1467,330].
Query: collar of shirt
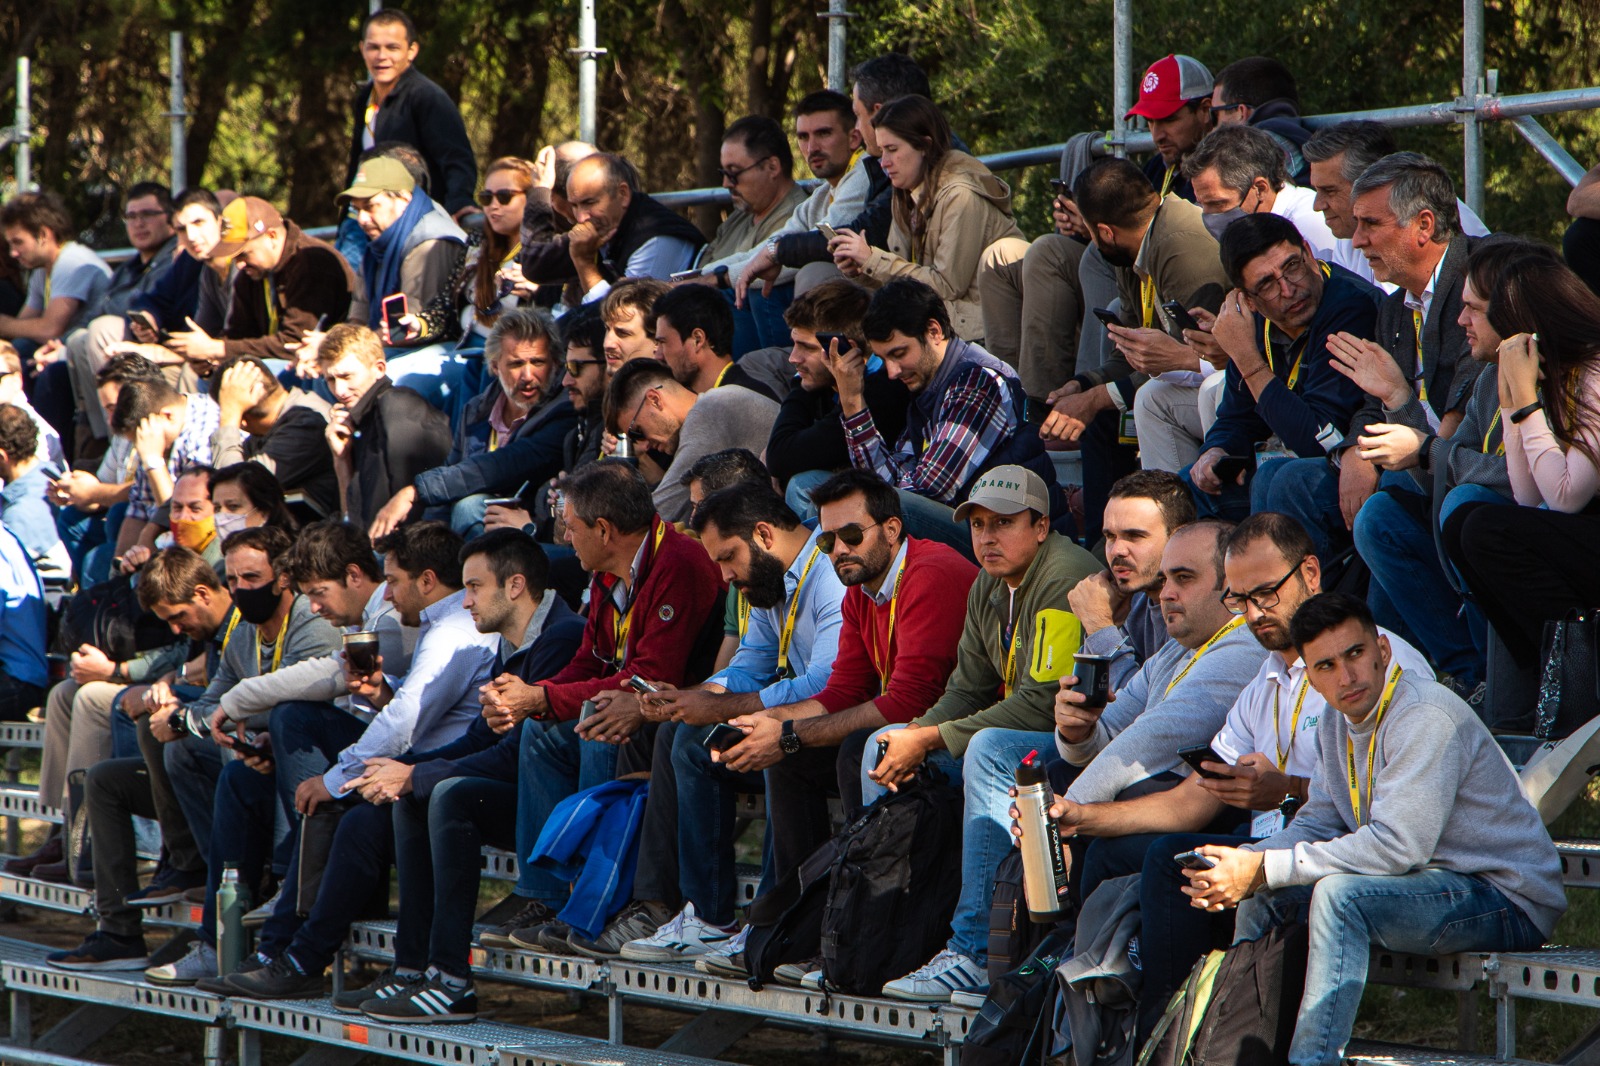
[498,423]
[540,615]
[619,591]
[440,609]
[1425,304]
[885,591]
[1281,672]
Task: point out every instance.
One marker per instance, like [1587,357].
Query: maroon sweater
[679,588]
[921,653]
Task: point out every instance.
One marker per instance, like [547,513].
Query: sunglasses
[634,433]
[852,535]
[498,196]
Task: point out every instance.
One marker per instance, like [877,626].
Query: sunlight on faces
[338,601]
[505,219]
[902,163]
[379,211]
[1136,535]
[651,426]
[1189,587]
[260,254]
[869,136]
[678,351]
[387,53]
[1348,666]
[1390,247]
[592,200]
[587,541]
[911,361]
[1255,569]
[627,340]
[229,498]
[1006,544]
[809,360]
[404,591]
[1178,133]
[1285,284]
[189,501]
[1333,196]
[150,225]
[32,252]
[198,230]
[350,378]
[197,619]
[523,369]
[487,600]
[827,142]
[748,565]
[865,561]
[1214,197]
[584,378]
[756,183]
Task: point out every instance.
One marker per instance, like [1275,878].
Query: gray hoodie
[1443,797]
[305,636]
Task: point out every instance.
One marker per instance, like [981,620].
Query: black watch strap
[789,740]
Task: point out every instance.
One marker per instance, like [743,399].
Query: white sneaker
[684,937]
[970,1000]
[945,973]
[259,915]
[200,962]
[728,959]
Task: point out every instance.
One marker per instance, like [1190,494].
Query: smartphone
[640,685]
[1110,318]
[827,231]
[723,736]
[845,343]
[587,710]
[683,275]
[248,742]
[1034,412]
[1061,187]
[1193,860]
[394,309]
[1180,315]
[883,749]
[1229,467]
[514,502]
[1203,753]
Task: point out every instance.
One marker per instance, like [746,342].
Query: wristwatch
[789,740]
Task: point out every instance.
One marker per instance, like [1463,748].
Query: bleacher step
[21,734]
[1580,863]
[1554,974]
[71,899]
[22,801]
[1373,1053]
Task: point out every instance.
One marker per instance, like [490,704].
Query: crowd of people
[404,540]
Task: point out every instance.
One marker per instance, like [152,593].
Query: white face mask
[229,524]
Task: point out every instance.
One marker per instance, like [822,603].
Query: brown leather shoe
[23,866]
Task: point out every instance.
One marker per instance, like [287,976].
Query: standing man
[400,103]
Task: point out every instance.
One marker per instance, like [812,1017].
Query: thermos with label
[1044,869]
[230,922]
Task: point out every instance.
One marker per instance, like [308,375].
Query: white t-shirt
[1294,203]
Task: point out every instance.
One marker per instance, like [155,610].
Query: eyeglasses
[634,433]
[1293,273]
[576,367]
[142,216]
[1215,108]
[852,535]
[732,176]
[1264,599]
[498,196]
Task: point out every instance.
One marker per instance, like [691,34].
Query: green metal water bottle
[230,922]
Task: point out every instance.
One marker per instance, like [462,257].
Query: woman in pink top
[1529,564]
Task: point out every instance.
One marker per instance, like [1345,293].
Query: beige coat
[969,215]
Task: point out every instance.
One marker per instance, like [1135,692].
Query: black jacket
[807,434]
[422,115]
[645,219]
[533,454]
[398,435]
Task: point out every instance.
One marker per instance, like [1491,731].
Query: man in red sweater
[903,613]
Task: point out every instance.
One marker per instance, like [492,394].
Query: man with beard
[785,656]
[1161,252]
[903,608]
[1269,747]
[1120,608]
[1445,855]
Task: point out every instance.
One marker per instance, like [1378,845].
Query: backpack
[1010,1027]
[893,886]
[1238,1007]
[108,616]
[786,923]
[1014,937]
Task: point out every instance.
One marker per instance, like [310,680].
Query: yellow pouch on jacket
[1057,636]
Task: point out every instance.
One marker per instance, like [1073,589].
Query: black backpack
[1011,1027]
[893,886]
[1246,1000]
[1013,935]
[786,923]
[108,616]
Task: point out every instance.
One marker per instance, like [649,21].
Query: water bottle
[1044,869]
[230,922]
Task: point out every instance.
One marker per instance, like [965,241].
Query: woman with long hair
[247,495]
[951,215]
[1534,563]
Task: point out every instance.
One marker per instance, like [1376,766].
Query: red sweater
[922,651]
[679,587]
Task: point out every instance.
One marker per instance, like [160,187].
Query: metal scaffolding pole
[1472,88]
[24,128]
[837,17]
[588,57]
[176,114]
[1121,74]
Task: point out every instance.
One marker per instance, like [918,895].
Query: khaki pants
[1168,418]
[86,357]
[1032,311]
[77,734]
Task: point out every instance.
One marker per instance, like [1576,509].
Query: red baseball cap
[1169,84]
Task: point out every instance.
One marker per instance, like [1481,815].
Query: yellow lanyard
[854,159]
[794,609]
[277,649]
[233,623]
[494,438]
[743,609]
[1294,724]
[1147,300]
[622,623]
[1167,179]
[1422,368]
[371,118]
[888,640]
[1266,341]
[511,256]
[1372,747]
[1494,423]
[271,289]
[722,375]
[1238,621]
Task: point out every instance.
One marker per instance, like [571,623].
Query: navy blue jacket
[480,752]
[1322,396]
[533,454]
[175,295]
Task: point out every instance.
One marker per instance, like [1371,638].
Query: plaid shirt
[192,448]
[971,417]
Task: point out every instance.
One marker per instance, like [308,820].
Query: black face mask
[256,606]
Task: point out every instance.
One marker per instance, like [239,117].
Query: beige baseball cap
[1007,490]
[380,174]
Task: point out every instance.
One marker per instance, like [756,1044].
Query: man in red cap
[287,283]
[1175,98]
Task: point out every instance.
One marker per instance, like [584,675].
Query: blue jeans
[759,323]
[1232,503]
[447,376]
[1430,912]
[1306,490]
[466,515]
[553,764]
[705,819]
[242,825]
[306,739]
[193,765]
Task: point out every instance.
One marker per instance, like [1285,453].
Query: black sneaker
[279,979]
[531,912]
[167,887]
[388,984]
[103,951]
[219,986]
[428,1003]
[635,922]
[551,936]
[501,912]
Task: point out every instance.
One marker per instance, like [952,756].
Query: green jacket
[973,699]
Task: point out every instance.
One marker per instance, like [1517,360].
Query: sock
[407,971]
[301,970]
[454,984]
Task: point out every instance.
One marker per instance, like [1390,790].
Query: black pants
[356,877]
[114,792]
[1525,566]
[1581,249]
[17,698]
[183,850]
[798,789]
[436,844]
[1104,462]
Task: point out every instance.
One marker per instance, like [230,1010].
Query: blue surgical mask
[229,524]
[1220,221]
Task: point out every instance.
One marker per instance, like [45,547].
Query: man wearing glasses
[757,169]
[1282,394]
[650,408]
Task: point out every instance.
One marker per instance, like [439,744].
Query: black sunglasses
[497,196]
[852,535]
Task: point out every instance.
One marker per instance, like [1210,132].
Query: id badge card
[1266,823]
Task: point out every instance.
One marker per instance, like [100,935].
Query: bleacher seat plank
[21,734]
[22,801]
[1374,1053]
[1580,863]
[1554,974]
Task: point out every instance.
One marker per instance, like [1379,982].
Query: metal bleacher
[723,1009]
